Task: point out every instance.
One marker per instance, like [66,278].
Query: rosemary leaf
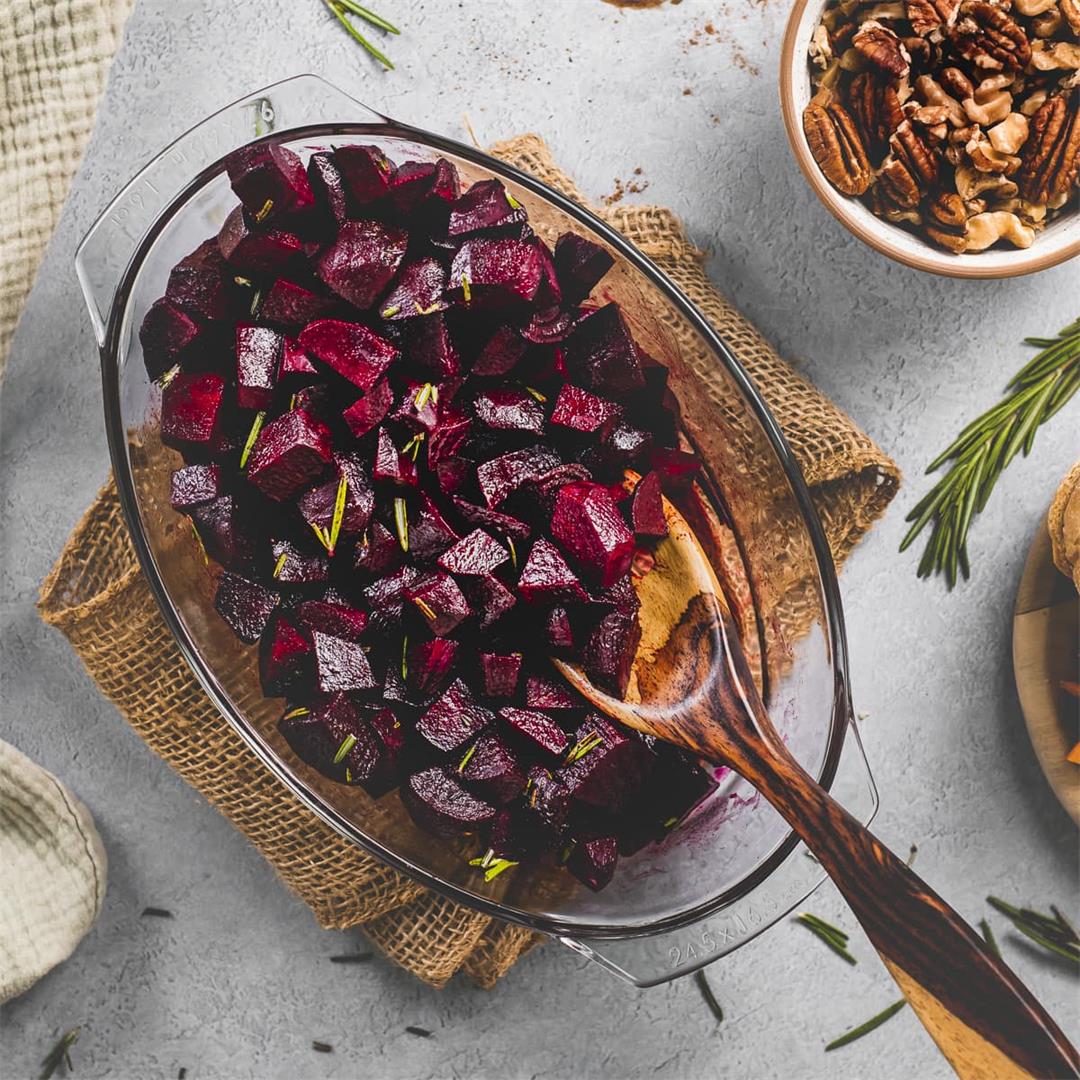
[339,513]
[369,16]
[866,1028]
[253,434]
[351,958]
[322,1047]
[988,937]
[835,939]
[422,1033]
[157,912]
[338,7]
[60,1052]
[707,993]
[1054,933]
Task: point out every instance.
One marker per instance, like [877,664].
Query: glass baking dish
[735,868]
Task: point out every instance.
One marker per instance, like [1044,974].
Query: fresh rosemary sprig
[870,1025]
[984,449]
[60,1052]
[707,993]
[1053,932]
[340,7]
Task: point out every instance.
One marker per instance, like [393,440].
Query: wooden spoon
[691,686]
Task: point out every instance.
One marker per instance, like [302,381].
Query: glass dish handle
[104,254]
[659,958]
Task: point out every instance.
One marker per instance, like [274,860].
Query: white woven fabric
[53,60]
[52,872]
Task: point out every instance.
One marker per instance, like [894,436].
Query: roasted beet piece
[677,468]
[245,605]
[201,284]
[429,664]
[192,413]
[496,271]
[368,412]
[430,347]
[418,290]
[607,774]
[377,550]
[610,649]
[508,526]
[386,598]
[295,365]
[441,805]
[501,352]
[499,673]
[429,533]
[340,664]
[547,798]
[544,692]
[626,445]
[284,657]
[258,354]
[488,597]
[486,205]
[491,769]
[559,631]
[547,578]
[333,738]
[411,184]
[166,335]
[538,731]
[593,862]
[449,433]
[601,353]
[647,507]
[441,602]
[476,554]
[352,350]
[509,409]
[588,525]
[501,476]
[365,170]
[316,400]
[293,566]
[270,181]
[290,305]
[317,505]
[362,260]
[194,485]
[341,620]
[585,412]
[252,251]
[550,326]
[454,719]
[225,527]
[418,409]
[288,454]
[391,466]
[579,264]
[390,738]
[328,186]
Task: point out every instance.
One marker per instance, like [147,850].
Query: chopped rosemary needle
[866,1028]
[339,513]
[390,312]
[512,549]
[533,392]
[514,204]
[833,936]
[199,541]
[988,937]
[169,376]
[466,288]
[283,558]
[465,760]
[293,713]
[425,608]
[422,396]
[401,522]
[492,866]
[321,1047]
[346,745]
[1054,933]
[157,912]
[580,749]
[404,657]
[421,310]
[351,958]
[253,434]
[423,1033]
[60,1052]
[321,534]
[708,995]
[263,210]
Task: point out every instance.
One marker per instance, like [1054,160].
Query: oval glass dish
[734,868]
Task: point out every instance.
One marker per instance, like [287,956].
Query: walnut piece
[1055,56]
[1033,7]
[1008,136]
[970,184]
[1047,24]
[932,93]
[835,143]
[820,48]
[1051,158]
[994,108]
[985,230]
[1071,10]
[986,159]
[956,83]
[883,48]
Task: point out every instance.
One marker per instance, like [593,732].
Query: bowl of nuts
[944,133]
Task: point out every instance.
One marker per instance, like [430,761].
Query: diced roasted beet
[317,401]
[328,185]
[284,657]
[200,283]
[454,719]
[290,305]
[547,578]
[544,692]
[606,775]
[500,353]
[333,738]
[476,554]
[588,525]
[677,468]
[628,444]
[602,355]
[501,476]
[488,597]
[289,453]
[225,528]
[194,485]
[621,597]
[270,181]
[593,862]
[441,805]
[417,291]
[501,270]
[377,550]
[516,833]
[317,504]
[293,566]
[411,184]
[245,605]
[547,487]
[558,631]
[258,354]
[429,664]
[450,432]
[340,664]
[486,205]
[446,184]
[430,347]
[351,349]
[610,649]
[579,264]
[548,326]
[429,533]
[341,620]
[647,507]
[676,786]
[362,260]
[365,170]
[390,738]
[580,410]
[499,673]
[166,336]
[295,365]
[253,251]
[439,599]
[386,598]
[491,768]
[368,412]
[547,797]
[509,409]
[508,526]
[417,408]
[192,413]
[391,466]
[538,730]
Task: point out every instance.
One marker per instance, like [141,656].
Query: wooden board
[1046,647]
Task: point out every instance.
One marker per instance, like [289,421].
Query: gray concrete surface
[238,984]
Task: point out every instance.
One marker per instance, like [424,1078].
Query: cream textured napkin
[52,872]
[54,55]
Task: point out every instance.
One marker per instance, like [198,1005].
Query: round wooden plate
[1046,644]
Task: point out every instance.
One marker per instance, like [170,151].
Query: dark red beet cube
[441,805]
[491,769]
[167,335]
[446,184]
[418,408]
[201,283]
[368,412]
[501,353]
[610,649]
[501,476]
[295,362]
[352,350]
[245,605]
[317,505]
[547,799]
[340,664]
[580,410]
[492,519]
[545,692]
[441,602]
[488,597]
[390,737]
[677,468]
[391,466]
[362,260]
[647,507]
[429,533]
[270,181]
[593,862]
[284,657]
[550,326]
[454,719]
[588,525]
[194,485]
[558,630]
[192,413]
[417,291]
[316,400]
[579,264]
[601,354]
[292,566]
[502,271]
[430,347]
[430,663]
[476,554]
[411,184]
[386,598]
[341,620]
[499,673]
[445,440]
[509,409]
[333,738]
[377,551]
[258,354]
[365,170]
[225,528]
[547,578]
[252,251]
[627,444]
[290,305]
[609,773]
[486,205]
[328,185]
[538,731]
[289,453]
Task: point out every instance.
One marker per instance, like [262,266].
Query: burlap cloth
[98,598]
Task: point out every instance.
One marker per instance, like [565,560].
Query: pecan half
[899,183]
[882,48]
[1051,159]
[987,37]
[909,147]
[835,143]
[876,108]
[928,15]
